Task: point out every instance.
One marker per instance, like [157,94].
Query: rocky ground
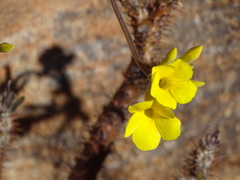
[69,59]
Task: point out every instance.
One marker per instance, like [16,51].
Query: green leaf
[5,47]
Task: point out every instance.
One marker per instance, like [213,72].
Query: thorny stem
[133,48]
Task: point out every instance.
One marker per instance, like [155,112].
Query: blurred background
[68,61]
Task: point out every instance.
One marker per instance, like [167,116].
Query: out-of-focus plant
[200,159]
[8,104]
[5,47]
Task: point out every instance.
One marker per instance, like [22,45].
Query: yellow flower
[151,121]
[171,84]
[154,119]
[171,80]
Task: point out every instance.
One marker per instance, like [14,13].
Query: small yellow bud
[5,47]
[170,57]
[192,54]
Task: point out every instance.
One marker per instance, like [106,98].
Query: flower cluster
[171,83]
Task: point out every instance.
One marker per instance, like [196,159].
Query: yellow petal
[164,98]
[183,71]
[192,54]
[183,92]
[146,137]
[155,85]
[140,106]
[170,57]
[162,110]
[162,95]
[169,129]
[163,70]
[198,83]
[134,122]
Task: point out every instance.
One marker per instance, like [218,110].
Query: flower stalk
[132,46]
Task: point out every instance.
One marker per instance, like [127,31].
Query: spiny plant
[200,159]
